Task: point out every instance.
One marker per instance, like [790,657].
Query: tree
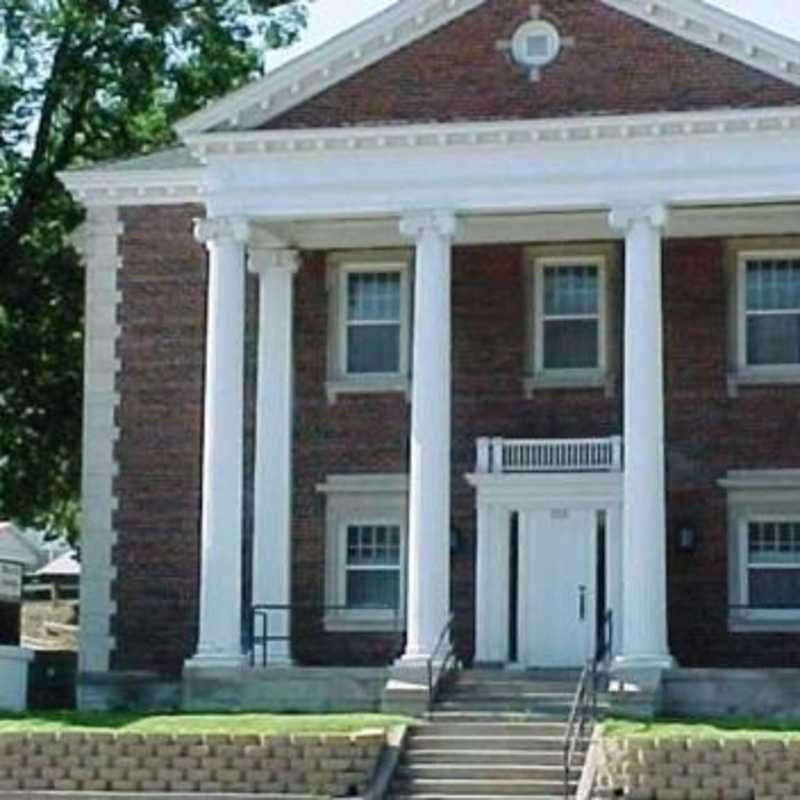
[82,81]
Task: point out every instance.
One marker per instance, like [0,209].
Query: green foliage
[82,81]
[699,729]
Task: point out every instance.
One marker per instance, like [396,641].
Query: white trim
[290,174]
[410,20]
[753,496]
[714,29]
[366,499]
[570,378]
[99,246]
[751,373]
[339,380]
[343,56]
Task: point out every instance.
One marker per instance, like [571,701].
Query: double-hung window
[373,566]
[772,574]
[570,331]
[374,321]
[369,323]
[769,316]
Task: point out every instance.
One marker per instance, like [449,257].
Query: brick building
[480,307]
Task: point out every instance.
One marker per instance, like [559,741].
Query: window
[372,566]
[773,563]
[373,324]
[764,549]
[365,522]
[535,44]
[569,336]
[369,316]
[771,295]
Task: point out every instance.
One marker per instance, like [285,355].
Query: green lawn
[69,721]
[733,728]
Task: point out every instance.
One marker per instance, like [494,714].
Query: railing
[260,634]
[516,456]
[448,661]
[584,704]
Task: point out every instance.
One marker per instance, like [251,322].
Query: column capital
[415,224]
[624,217]
[235,230]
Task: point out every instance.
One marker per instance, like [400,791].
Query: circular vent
[535,44]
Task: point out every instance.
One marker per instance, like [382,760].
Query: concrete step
[429,796]
[563,675]
[484,772]
[478,715]
[499,756]
[492,788]
[492,726]
[506,691]
[479,742]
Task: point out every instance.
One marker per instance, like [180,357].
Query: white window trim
[361,500]
[757,496]
[595,377]
[749,374]
[340,381]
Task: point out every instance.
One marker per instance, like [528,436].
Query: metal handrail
[584,703]
[444,637]
[261,613]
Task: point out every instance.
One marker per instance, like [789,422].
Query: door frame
[499,496]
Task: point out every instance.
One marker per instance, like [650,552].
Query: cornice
[710,27]
[565,130]
[343,56]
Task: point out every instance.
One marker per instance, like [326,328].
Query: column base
[623,663]
[208,662]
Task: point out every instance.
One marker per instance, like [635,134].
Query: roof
[408,20]
[16,547]
[65,566]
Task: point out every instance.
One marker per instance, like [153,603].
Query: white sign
[10,582]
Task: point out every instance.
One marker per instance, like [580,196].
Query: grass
[733,728]
[77,722]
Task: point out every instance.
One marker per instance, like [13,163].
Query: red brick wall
[160,417]
[618,65]
[161,349]
[708,434]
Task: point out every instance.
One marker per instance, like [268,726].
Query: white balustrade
[515,456]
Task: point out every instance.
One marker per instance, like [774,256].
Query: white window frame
[340,381]
[745,566]
[593,375]
[345,323]
[369,616]
[755,496]
[366,499]
[758,373]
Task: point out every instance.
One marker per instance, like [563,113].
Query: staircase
[492,733]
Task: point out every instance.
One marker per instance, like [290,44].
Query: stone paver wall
[331,765]
[680,769]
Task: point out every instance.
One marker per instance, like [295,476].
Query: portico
[634,510]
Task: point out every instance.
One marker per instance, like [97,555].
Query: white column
[273,458]
[492,584]
[429,492]
[220,637]
[644,631]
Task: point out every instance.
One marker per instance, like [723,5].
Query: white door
[558,552]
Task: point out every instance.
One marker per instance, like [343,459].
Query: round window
[535,44]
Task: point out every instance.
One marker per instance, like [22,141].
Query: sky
[329,17]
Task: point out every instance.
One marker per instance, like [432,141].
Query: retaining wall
[330,765]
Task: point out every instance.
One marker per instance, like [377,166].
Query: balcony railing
[520,456]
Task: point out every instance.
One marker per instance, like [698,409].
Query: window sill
[764,622]
[781,376]
[379,385]
[353,622]
[578,381]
